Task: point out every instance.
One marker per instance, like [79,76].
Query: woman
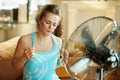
[37,53]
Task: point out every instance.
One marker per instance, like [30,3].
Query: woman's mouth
[49,31]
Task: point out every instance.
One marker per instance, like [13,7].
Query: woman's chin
[48,34]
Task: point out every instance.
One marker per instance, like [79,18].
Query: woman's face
[49,23]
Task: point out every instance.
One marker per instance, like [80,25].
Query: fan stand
[100,71]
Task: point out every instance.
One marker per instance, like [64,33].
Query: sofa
[7,49]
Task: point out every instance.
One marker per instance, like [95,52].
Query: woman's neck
[41,36]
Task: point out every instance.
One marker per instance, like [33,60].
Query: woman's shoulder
[25,39]
[59,40]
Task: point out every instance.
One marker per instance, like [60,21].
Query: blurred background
[17,17]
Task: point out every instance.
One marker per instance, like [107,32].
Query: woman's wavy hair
[52,8]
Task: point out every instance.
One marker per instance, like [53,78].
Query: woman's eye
[47,22]
[55,25]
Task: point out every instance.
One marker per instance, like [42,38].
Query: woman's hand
[64,54]
[29,53]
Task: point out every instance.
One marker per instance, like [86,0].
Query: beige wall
[20,29]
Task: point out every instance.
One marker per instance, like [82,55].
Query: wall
[21,29]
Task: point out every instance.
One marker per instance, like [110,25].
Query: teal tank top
[42,66]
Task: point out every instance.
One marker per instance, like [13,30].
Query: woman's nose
[50,26]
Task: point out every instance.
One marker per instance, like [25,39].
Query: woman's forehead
[52,17]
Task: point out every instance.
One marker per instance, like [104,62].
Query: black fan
[93,49]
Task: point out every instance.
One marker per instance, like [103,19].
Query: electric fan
[94,49]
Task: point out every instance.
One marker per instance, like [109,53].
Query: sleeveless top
[43,64]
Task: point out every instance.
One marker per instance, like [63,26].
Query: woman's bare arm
[22,53]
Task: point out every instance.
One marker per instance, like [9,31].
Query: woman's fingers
[64,54]
[29,53]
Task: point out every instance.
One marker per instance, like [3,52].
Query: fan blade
[87,38]
[108,37]
[89,43]
[80,65]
